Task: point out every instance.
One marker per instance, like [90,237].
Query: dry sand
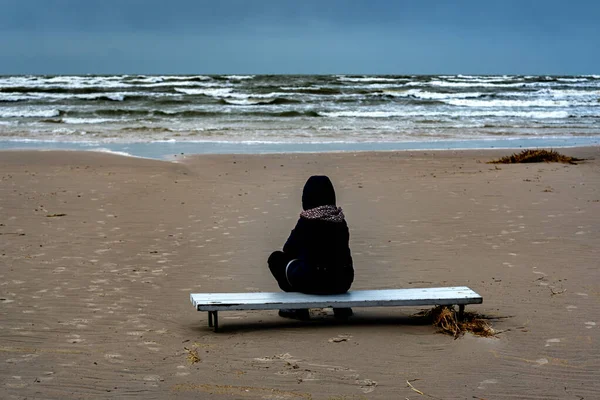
[95,303]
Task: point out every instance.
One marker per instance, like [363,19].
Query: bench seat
[215,302]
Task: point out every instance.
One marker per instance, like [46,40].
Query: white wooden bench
[215,302]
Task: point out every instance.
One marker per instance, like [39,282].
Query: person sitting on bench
[316,258]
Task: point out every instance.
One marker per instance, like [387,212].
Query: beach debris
[534,156]
[338,340]
[446,320]
[413,388]
[55,215]
[193,356]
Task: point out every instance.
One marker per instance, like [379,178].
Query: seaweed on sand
[533,156]
[446,320]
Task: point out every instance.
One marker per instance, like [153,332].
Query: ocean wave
[370,79]
[77,82]
[144,113]
[486,78]
[228,96]
[102,96]
[297,114]
[83,121]
[219,92]
[317,90]
[90,85]
[524,84]
[12,97]
[572,79]
[28,113]
[507,103]
[448,84]
[166,78]
[450,114]
[146,128]
[258,101]
[124,112]
[41,90]
[239,77]
[420,94]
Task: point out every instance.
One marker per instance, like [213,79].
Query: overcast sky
[302,36]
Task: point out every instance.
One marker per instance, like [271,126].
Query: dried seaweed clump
[533,156]
[192,356]
[446,320]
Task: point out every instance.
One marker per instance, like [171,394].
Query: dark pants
[301,277]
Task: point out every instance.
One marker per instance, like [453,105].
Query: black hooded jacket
[321,244]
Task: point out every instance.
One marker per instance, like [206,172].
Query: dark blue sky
[302,36]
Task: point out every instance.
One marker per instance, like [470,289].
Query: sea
[158,116]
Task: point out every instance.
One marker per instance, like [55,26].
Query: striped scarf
[324,213]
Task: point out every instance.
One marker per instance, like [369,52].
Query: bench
[449,296]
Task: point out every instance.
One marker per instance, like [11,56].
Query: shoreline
[169,150]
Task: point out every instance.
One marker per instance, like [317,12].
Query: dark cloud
[284,36]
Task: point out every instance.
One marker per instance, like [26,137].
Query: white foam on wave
[240,98]
[186,77]
[180,83]
[488,77]
[87,120]
[66,82]
[247,101]
[220,92]
[449,113]
[469,84]
[27,112]
[112,82]
[239,77]
[425,95]
[370,79]
[115,152]
[507,103]
[592,95]
[5,97]
[572,79]
[114,96]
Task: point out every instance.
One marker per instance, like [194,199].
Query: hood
[318,191]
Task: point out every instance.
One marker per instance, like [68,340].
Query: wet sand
[98,255]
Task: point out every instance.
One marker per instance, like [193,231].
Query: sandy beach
[99,253]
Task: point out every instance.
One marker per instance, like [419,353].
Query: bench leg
[461,312]
[210,319]
[216,320]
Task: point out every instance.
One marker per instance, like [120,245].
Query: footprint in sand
[590,324]
[549,342]
[541,361]
[74,338]
[482,384]
[23,358]
[181,370]
[113,358]
[367,385]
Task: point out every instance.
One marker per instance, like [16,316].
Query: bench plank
[459,295]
